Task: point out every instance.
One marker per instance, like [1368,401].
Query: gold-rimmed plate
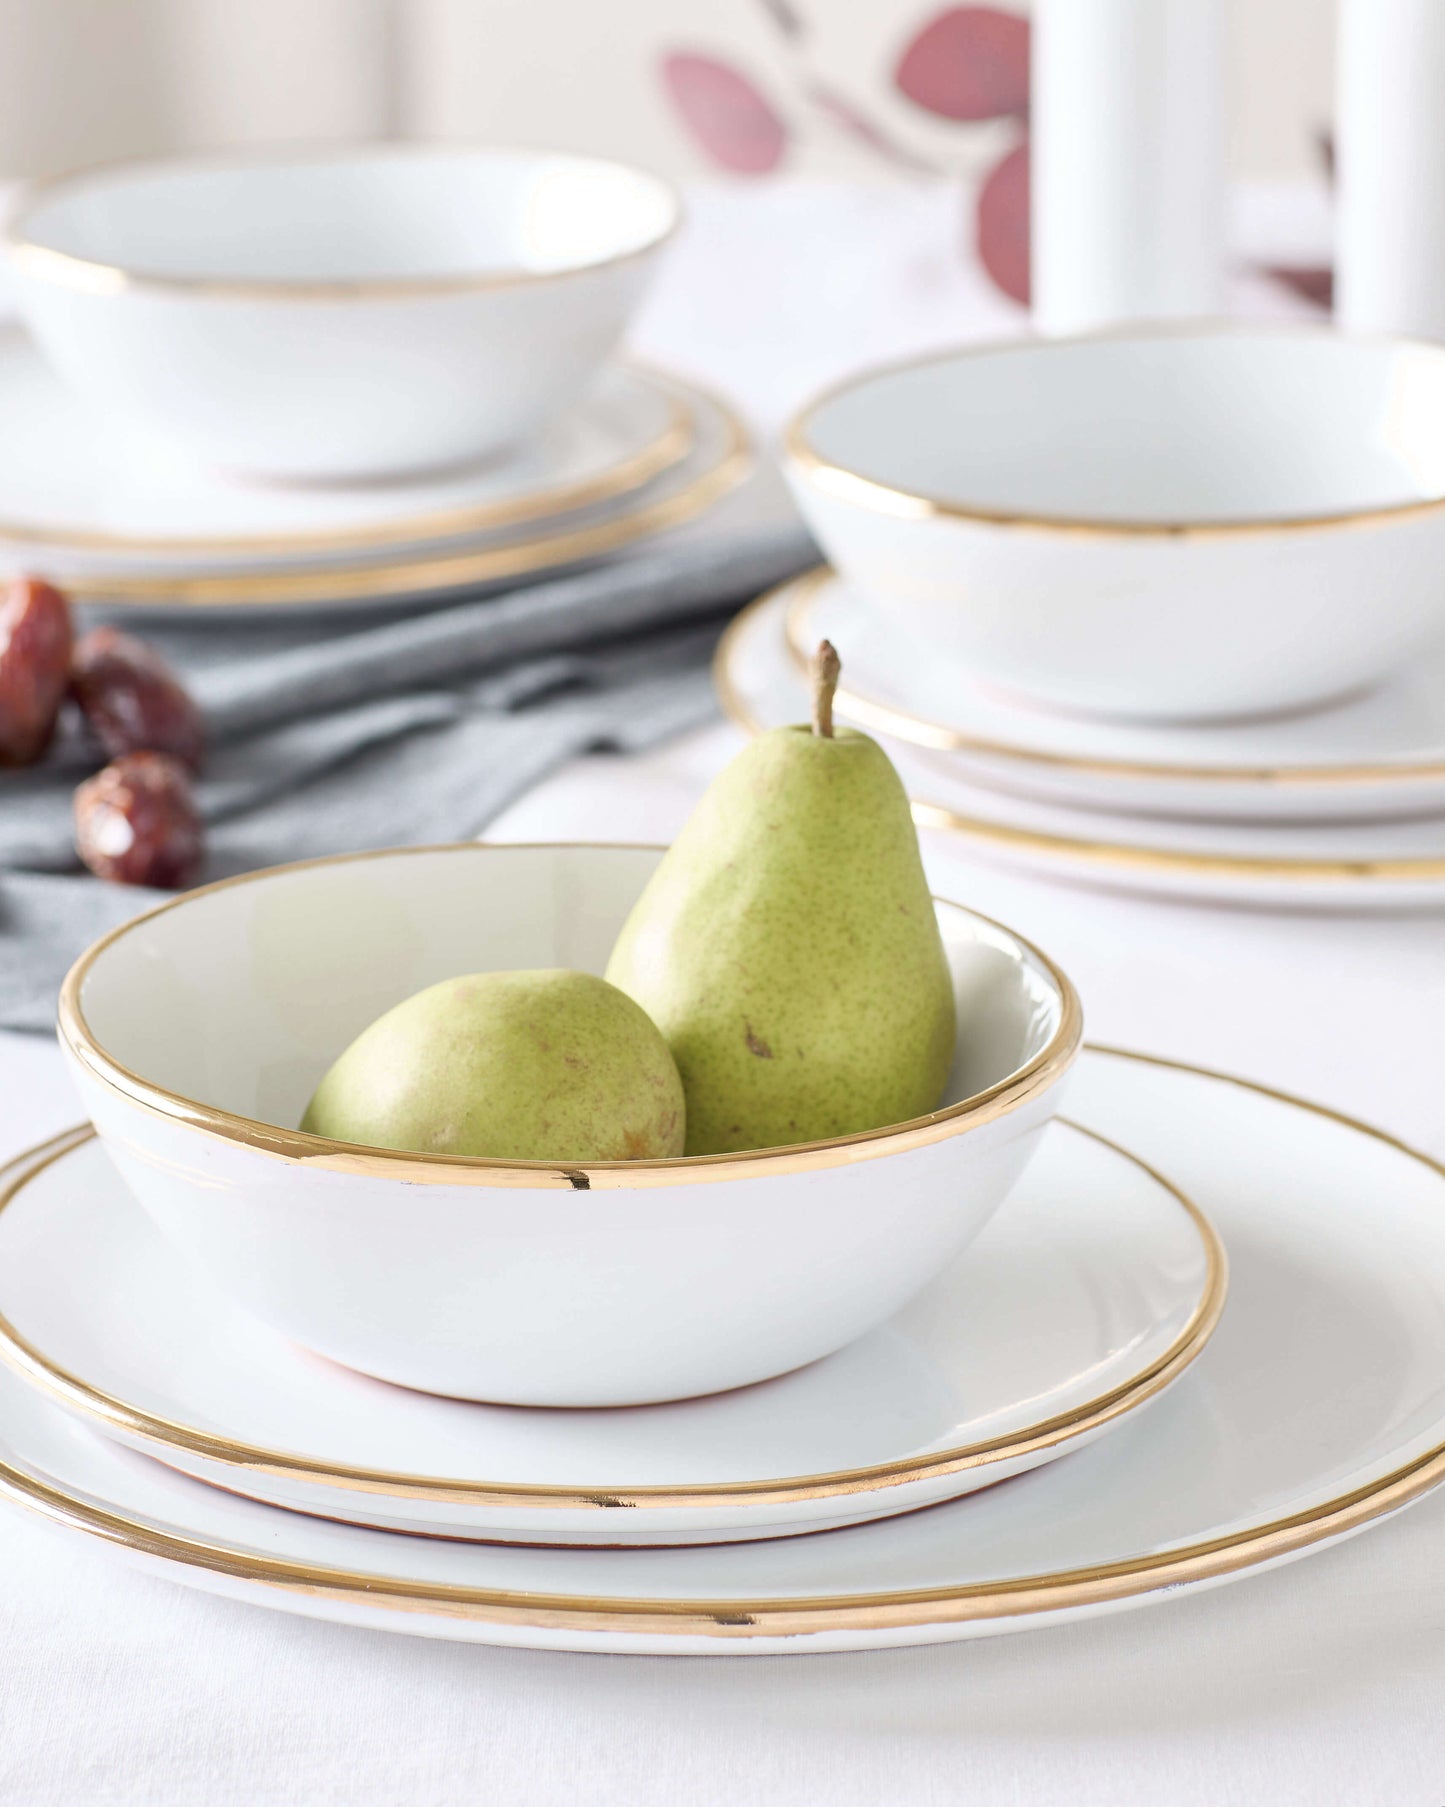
[720,458]
[1378,752]
[1317,1410]
[1083,1300]
[1360,866]
[83,495]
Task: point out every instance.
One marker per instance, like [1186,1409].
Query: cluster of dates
[136,820]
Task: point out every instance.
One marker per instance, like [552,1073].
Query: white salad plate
[1090,1293]
[83,495]
[1318,1408]
[717,460]
[1380,752]
[1384,865]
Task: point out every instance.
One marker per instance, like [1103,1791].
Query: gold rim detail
[1114,855]
[1030,1081]
[923,731]
[856,487]
[98,276]
[1015,1597]
[133,1421]
[668,449]
[448,571]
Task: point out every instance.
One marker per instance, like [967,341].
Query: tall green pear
[788,949]
[523,1066]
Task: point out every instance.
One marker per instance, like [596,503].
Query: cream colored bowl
[338,314]
[1189,524]
[197,1032]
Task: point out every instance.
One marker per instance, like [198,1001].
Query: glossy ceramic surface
[338,313]
[79,494]
[1179,524]
[1084,1299]
[719,460]
[1318,1408]
[1356,866]
[1378,753]
[197,1033]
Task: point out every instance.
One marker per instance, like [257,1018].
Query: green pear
[522,1066]
[788,949]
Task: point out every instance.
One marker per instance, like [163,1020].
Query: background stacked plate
[1160,610]
[1335,809]
[125,520]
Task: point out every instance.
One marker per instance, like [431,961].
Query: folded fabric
[420,728]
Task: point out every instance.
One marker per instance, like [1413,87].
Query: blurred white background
[82,80]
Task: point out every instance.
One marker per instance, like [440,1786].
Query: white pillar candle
[1127,161]
[1390,133]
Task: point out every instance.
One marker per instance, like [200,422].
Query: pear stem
[826,669]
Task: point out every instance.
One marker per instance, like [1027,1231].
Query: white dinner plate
[1318,1408]
[1088,1294]
[1380,752]
[84,497]
[1361,866]
[719,459]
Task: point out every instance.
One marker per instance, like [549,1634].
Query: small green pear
[787,945]
[520,1066]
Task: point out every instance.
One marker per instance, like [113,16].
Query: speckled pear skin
[524,1066]
[788,950]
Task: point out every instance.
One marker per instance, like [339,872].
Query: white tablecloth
[1321,1683]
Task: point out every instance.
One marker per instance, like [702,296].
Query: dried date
[136,822]
[35,645]
[132,699]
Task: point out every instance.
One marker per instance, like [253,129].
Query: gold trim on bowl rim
[98,276]
[1036,1076]
[669,448]
[132,1420]
[923,731]
[325,587]
[1011,1597]
[1110,855]
[857,488]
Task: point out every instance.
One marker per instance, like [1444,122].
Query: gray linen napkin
[419,728]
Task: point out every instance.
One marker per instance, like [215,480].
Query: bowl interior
[380,215]
[1222,426]
[240,997]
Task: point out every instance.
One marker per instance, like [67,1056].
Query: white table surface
[1320,1683]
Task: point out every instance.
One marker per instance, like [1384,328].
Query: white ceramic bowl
[197,1032]
[340,314]
[1189,524]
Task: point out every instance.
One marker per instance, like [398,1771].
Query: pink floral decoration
[858,125]
[1001,224]
[725,112]
[1312,284]
[969,63]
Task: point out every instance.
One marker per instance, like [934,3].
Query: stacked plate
[309,379]
[1087,1417]
[123,520]
[1162,612]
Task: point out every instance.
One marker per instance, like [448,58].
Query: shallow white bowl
[197,1032]
[338,314]
[1189,524]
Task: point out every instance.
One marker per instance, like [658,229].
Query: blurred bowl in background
[337,314]
[1182,524]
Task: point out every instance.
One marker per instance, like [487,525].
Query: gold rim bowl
[87,1048]
[197,1032]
